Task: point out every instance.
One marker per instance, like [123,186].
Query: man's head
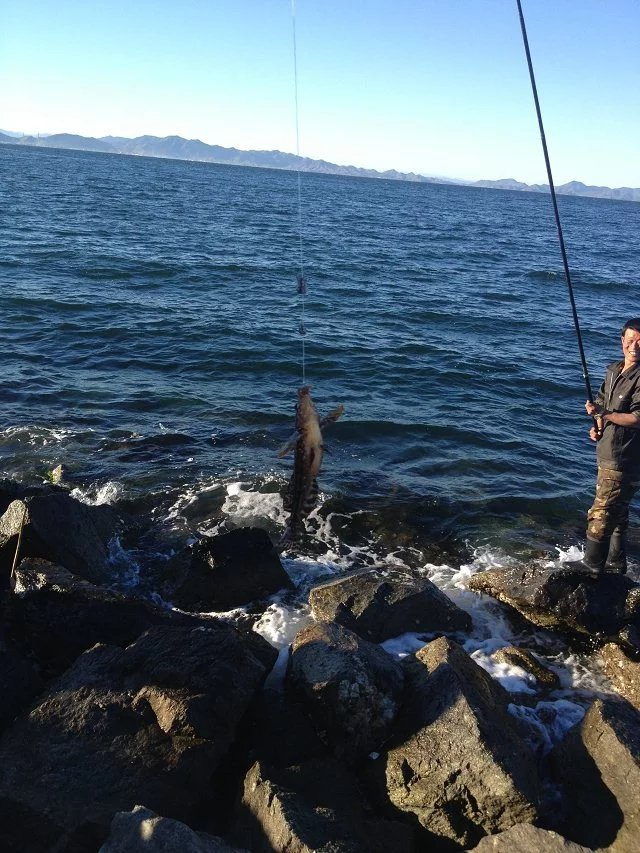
[630,339]
[634,324]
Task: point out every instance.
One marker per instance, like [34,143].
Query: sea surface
[151,344]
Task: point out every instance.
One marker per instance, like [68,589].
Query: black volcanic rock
[55,616]
[230,570]
[54,526]
[147,724]
[568,601]
[316,807]
[377,607]
[457,760]
[352,688]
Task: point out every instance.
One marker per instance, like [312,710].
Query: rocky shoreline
[126,725]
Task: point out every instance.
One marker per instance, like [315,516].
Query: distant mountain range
[572,188]
[177,148]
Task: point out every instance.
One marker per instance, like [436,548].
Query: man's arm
[623,419]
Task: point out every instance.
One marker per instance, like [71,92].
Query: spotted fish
[302,491]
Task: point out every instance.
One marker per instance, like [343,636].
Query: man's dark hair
[634,324]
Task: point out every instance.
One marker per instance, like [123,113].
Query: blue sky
[438,87]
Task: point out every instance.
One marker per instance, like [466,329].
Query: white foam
[248,507]
[513,678]
[548,722]
[107,493]
[406,644]
[279,626]
[39,436]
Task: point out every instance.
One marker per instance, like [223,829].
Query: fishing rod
[576,323]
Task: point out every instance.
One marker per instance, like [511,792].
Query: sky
[437,87]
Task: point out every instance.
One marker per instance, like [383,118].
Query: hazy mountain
[175,147]
[571,188]
[67,140]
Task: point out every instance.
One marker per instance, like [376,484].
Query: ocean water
[151,345]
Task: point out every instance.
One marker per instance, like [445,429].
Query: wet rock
[230,570]
[19,683]
[313,808]
[525,838]
[278,731]
[378,607]
[458,762]
[148,724]
[58,528]
[515,656]
[623,672]
[598,765]
[352,688]
[10,491]
[565,600]
[143,831]
[56,616]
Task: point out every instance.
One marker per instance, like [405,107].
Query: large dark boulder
[231,570]
[20,681]
[143,831]
[352,688]
[623,672]
[458,762]
[56,616]
[564,600]
[313,808]
[598,765]
[379,607]
[278,731]
[147,724]
[11,490]
[58,528]
[526,838]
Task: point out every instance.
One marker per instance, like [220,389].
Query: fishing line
[585,372]
[15,556]
[302,284]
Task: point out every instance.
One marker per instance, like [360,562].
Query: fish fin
[288,446]
[332,417]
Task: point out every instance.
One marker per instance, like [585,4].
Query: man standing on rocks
[617,413]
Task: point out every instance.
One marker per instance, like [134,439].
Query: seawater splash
[125,566]
[98,495]
[548,722]
[279,625]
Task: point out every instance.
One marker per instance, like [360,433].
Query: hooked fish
[302,492]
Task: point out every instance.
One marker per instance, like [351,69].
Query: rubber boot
[595,556]
[617,556]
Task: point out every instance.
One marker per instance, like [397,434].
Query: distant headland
[177,148]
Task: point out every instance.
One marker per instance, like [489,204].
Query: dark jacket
[619,447]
